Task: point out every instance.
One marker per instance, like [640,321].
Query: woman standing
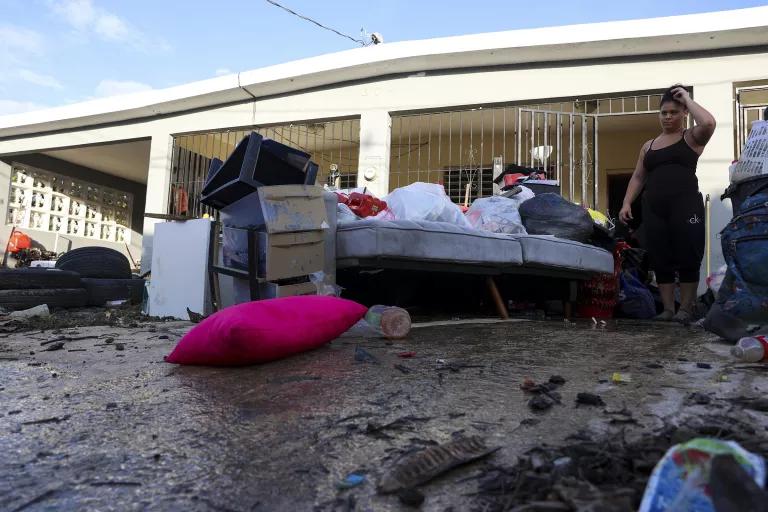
[673,209]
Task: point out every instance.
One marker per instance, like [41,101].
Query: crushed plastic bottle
[393,322]
[751,349]
[382,322]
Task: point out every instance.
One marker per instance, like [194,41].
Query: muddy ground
[102,423]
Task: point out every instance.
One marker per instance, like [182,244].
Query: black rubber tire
[36,278]
[58,297]
[102,290]
[96,262]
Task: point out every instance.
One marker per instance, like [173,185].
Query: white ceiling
[128,160]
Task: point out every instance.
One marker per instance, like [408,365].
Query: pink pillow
[265,330]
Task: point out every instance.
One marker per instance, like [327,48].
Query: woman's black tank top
[671,170]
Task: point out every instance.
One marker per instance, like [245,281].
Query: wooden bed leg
[497,300]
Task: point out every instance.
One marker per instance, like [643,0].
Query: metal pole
[519,135]
[571,173]
[559,142]
[583,160]
[596,162]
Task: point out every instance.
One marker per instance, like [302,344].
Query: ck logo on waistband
[694,220]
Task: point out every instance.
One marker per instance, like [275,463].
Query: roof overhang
[724,30]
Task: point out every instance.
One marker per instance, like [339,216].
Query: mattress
[549,251]
[444,242]
[424,240]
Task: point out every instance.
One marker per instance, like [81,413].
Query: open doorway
[621,137]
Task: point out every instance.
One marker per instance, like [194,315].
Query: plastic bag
[499,214]
[680,479]
[425,201]
[635,300]
[550,214]
[344,214]
[19,241]
[754,157]
[715,279]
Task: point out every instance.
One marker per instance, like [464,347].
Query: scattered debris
[699,398]
[405,423]
[119,346]
[685,467]
[456,367]
[606,473]
[352,480]
[406,355]
[557,380]
[110,405]
[195,318]
[403,369]
[363,356]
[704,366]
[621,378]
[755,404]
[37,311]
[54,419]
[410,497]
[423,466]
[589,399]
[294,378]
[56,346]
[540,403]
[654,365]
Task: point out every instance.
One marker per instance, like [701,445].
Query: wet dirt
[89,426]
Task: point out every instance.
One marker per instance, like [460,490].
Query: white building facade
[439,110]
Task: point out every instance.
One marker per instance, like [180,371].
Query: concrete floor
[90,427]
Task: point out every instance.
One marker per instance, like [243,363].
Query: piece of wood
[497,300]
[466,194]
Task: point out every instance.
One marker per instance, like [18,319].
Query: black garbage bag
[550,214]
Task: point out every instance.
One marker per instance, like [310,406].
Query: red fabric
[511,179]
[266,330]
[364,205]
[19,241]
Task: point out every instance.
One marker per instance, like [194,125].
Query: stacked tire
[29,287]
[105,274]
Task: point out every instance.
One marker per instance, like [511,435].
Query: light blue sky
[54,52]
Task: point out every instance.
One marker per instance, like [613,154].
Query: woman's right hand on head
[625,215]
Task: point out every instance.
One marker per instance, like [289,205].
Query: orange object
[18,241]
[181,201]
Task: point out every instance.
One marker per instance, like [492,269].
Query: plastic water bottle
[751,349]
[391,321]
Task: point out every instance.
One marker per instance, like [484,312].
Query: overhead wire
[358,41]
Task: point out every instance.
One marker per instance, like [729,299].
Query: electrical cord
[358,41]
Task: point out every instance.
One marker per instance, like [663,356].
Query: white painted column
[158,184]
[375,138]
[713,165]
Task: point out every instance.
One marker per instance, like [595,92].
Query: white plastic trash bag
[499,214]
[715,279]
[424,201]
[753,161]
[344,214]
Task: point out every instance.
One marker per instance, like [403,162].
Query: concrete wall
[47,239]
[711,76]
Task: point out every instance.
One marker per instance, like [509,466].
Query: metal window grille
[331,144]
[457,147]
[751,103]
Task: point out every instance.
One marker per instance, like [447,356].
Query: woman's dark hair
[668,96]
